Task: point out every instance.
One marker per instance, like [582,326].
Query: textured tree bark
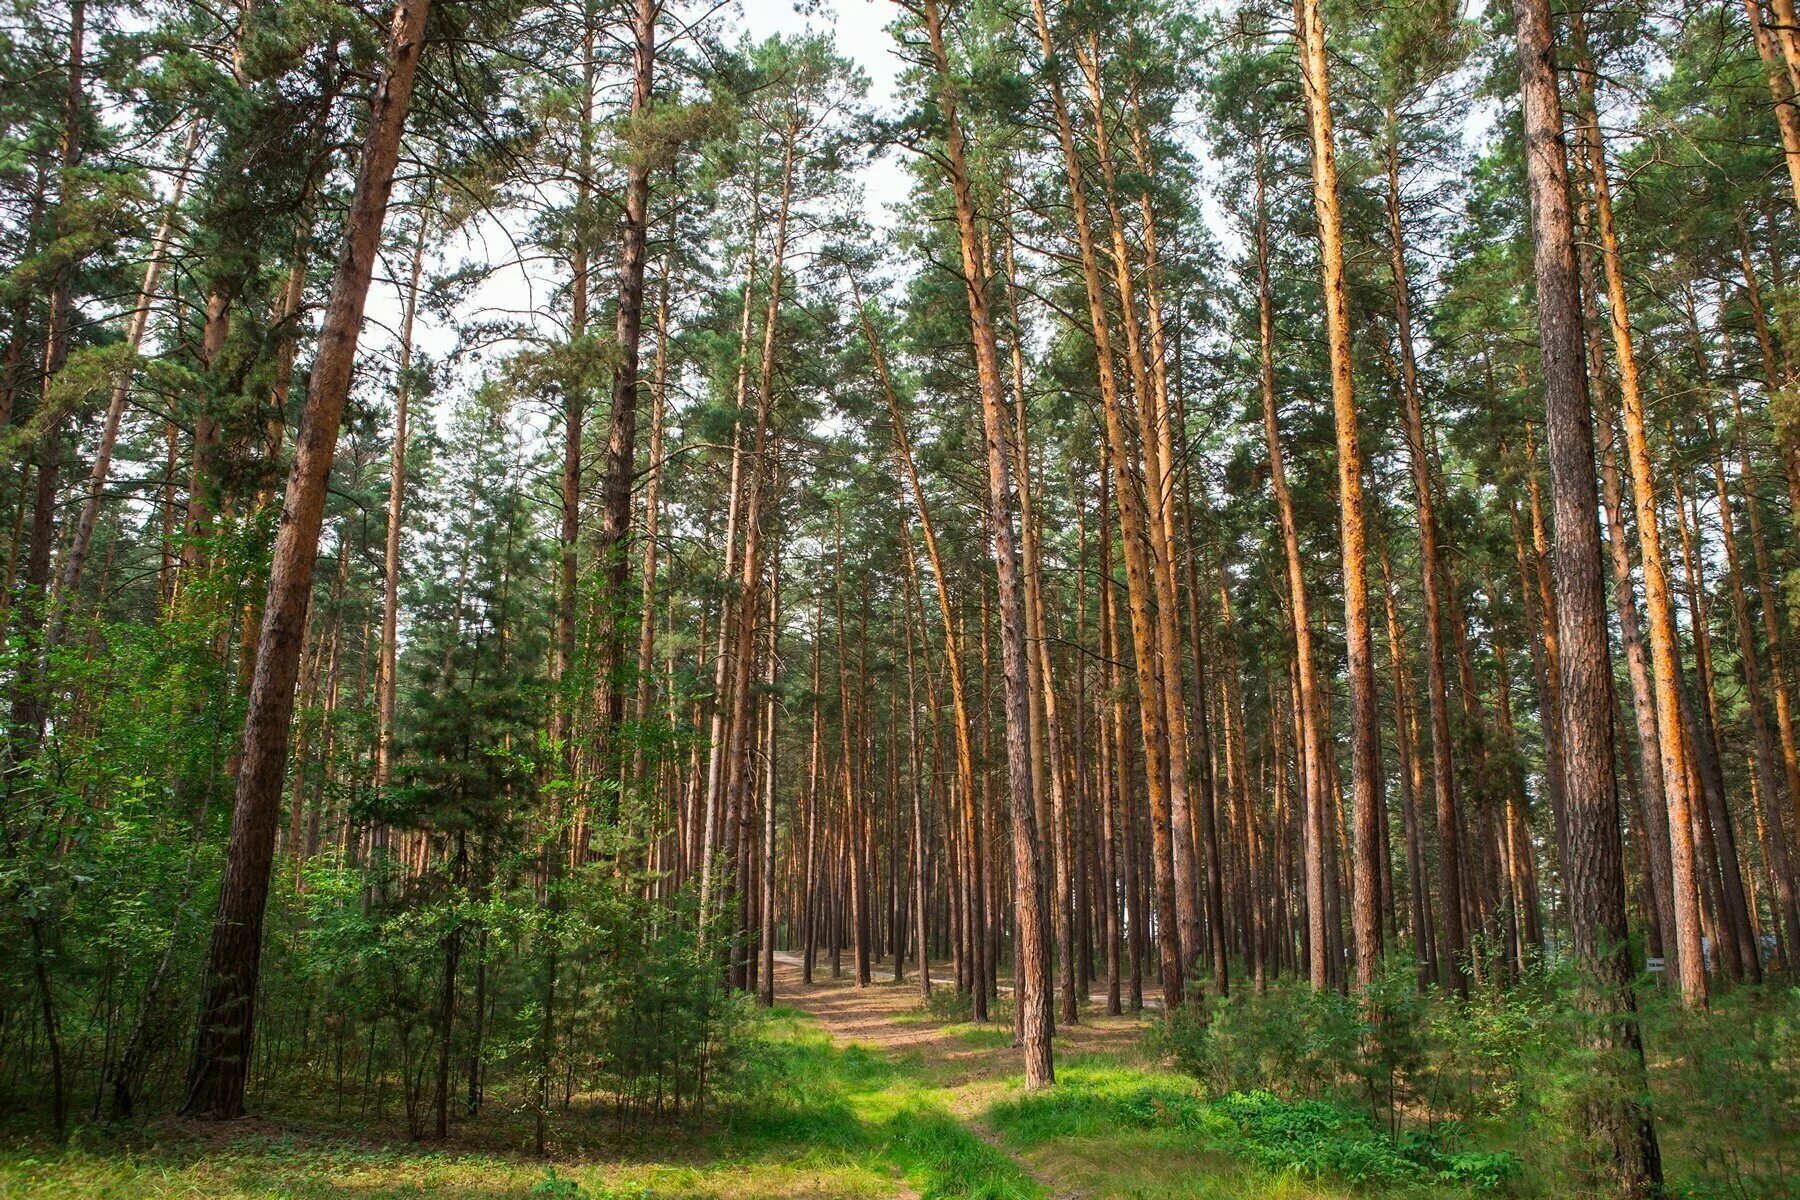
[1781,91]
[1134,533]
[621,440]
[1311,746]
[1168,417]
[1786,28]
[222,1052]
[1665,659]
[1365,910]
[1159,502]
[1616,1118]
[1049,781]
[1652,800]
[1033,950]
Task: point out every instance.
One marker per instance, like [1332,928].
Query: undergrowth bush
[1512,1063]
[1316,1139]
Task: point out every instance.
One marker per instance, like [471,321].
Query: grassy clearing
[944,1116]
[815,1121]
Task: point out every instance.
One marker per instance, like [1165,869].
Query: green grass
[1137,1131]
[811,1119]
[868,1102]
[814,1121]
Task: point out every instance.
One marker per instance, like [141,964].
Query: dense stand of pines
[486,511]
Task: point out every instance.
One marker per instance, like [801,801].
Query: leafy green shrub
[1314,1138]
[1727,1089]
[555,1187]
[1289,1039]
[949,1004]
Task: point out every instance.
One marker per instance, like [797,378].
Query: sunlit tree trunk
[1134,533]
[1617,1120]
[1365,914]
[1032,946]
[1049,774]
[1159,521]
[1311,747]
[969,897]
[1665,660]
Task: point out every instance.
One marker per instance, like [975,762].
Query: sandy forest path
[968,1067]
[889,1016]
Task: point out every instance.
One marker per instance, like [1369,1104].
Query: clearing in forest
[860,1093]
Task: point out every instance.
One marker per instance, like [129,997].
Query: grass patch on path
[811,1121]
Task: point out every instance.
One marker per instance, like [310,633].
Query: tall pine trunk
[1365,757]
[1617,1121]
[1032,946]
[222,1051]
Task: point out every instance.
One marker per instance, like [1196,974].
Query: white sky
[859,29]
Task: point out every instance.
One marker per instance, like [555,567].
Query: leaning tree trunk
[222,1052]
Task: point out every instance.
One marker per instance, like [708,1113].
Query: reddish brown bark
[222,1054]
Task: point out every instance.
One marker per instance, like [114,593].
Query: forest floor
[874,1097]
